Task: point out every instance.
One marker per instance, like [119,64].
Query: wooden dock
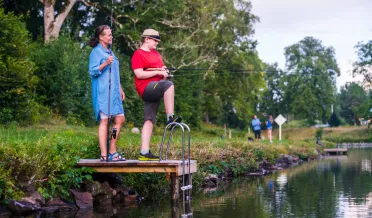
[173,169]
[330,151]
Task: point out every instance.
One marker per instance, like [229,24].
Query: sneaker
[148,156]
[174,118]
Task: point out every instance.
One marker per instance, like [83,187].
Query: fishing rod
[243,71]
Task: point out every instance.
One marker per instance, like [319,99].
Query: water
[333,187]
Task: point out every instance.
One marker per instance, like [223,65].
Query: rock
[284,161]
[95,188]
[22,207]
[113,179]
[62,205]
[82,200]
[135,130]
[295,158]
[213,178]
[35,198]
[103,201]
[228,172]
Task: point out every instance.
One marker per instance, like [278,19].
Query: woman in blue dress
[101,61]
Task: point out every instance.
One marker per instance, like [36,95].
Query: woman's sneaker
[148,156]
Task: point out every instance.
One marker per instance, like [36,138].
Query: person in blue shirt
[101,61]
[256,125]
[269,125]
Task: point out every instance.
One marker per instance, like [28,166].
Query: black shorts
[257,134]
[152,95]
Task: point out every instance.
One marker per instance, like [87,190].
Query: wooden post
[175,209]
[175,187]
[229,133]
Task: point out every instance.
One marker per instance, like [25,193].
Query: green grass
[45,155]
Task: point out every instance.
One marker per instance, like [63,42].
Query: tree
[350,98]
[363,66]
[52,21]
[310,79]
[17,79]
[334,121]
[272,101]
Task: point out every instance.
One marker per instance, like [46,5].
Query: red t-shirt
[145,59]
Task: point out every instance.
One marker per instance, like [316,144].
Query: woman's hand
[109,60]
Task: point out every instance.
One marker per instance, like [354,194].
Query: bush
[17,79]
[319,133]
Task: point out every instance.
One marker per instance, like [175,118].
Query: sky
[337,23]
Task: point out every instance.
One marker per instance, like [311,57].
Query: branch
[129,17]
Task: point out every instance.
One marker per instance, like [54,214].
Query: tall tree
[272,101]
[351,96]
[363,66]
[310,83]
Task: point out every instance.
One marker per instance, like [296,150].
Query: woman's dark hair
[95,39]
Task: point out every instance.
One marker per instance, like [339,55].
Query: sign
[280,120]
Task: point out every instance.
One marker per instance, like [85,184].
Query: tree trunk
[48,19]
[52,23]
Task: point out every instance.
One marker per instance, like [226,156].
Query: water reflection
[333,187]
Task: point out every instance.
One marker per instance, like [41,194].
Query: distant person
[269,125]
[102,63]
[256,125]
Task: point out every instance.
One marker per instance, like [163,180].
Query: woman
[102,61]
[256,124]
[269,125]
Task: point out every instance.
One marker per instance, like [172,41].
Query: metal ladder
[186,181]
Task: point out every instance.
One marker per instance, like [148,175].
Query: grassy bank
[43,157]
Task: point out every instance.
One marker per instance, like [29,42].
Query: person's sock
[168,115]
[144,151]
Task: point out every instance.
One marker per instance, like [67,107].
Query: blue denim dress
[100,83]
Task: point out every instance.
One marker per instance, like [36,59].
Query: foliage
[17,79]
[47,163]
[334,121]
[363,66]
[319,133]
[272,100]
[350,98]
[64,80]
[310,79]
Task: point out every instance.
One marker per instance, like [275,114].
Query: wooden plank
[335,150]
[110,169]
[135,166]
[98,163]
[193,169]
